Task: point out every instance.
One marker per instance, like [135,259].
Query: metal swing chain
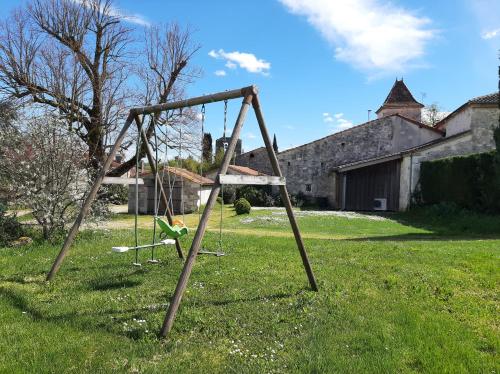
[156,189]
[201,158]
[220,249]
[180,163]
[137,151]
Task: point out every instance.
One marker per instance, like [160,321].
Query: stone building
[186,190]
[375,165]
[219,145]
[256,159]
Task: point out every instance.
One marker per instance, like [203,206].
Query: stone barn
[375,165]
[256,159]
[187,191]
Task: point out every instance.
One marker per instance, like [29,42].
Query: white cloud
[490,34]
[372,35]
[136,18]
[247,61]
[343,124]
[327,118]
[250,135]
[337,122]
[220,73]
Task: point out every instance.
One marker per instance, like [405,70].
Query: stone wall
[256,159]
[483,122]
[312,166]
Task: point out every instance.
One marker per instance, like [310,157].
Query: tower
[401,101]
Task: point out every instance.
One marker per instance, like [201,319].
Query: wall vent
[380,204]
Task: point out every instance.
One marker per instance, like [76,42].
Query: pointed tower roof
[400,95]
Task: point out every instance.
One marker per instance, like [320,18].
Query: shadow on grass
[99,320]
[422,237]
[109,284]
[278,296]
[460,225]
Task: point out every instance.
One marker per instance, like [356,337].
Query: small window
[308,188]
[252,155]
[342,144]
[288,163]
[322,164]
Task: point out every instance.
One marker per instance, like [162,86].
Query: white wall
[203,195]
[460,122]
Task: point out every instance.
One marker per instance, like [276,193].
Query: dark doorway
[365,187]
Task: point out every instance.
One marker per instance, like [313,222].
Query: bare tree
[164,75]
[432,114]
[76,58]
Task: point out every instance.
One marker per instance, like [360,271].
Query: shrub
[242,206]
[10,228]
[228,194]
[115,194]
[471,182]
[297,200]
[256,196]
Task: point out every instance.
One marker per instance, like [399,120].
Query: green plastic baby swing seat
[173,232]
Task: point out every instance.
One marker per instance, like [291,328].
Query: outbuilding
[185,190]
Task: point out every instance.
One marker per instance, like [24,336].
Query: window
[308,188]
[288,163]
[252,155]
[322,164]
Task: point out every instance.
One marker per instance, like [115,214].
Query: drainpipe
[411,181]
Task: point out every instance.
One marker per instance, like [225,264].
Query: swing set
[250,98]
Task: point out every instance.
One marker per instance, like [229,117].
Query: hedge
[472,182]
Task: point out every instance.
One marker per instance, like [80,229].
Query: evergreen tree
[275,144]
[207,153]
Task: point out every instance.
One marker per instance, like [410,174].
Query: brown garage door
[366,184]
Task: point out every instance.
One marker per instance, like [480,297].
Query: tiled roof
[244,170]
[183,173]
[486,99]
[400,94]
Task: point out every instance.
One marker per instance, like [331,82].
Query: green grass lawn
[400,295]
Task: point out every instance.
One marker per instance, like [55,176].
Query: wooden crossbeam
[120,180]
[256,180]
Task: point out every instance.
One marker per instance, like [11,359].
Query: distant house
[186,190]
[376,165]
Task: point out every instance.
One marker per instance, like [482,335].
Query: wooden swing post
[250,97]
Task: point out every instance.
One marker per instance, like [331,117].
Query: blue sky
[321,64]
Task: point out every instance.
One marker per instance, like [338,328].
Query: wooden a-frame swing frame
[250,97]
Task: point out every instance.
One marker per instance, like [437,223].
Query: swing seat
[174,232]
[126,249]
